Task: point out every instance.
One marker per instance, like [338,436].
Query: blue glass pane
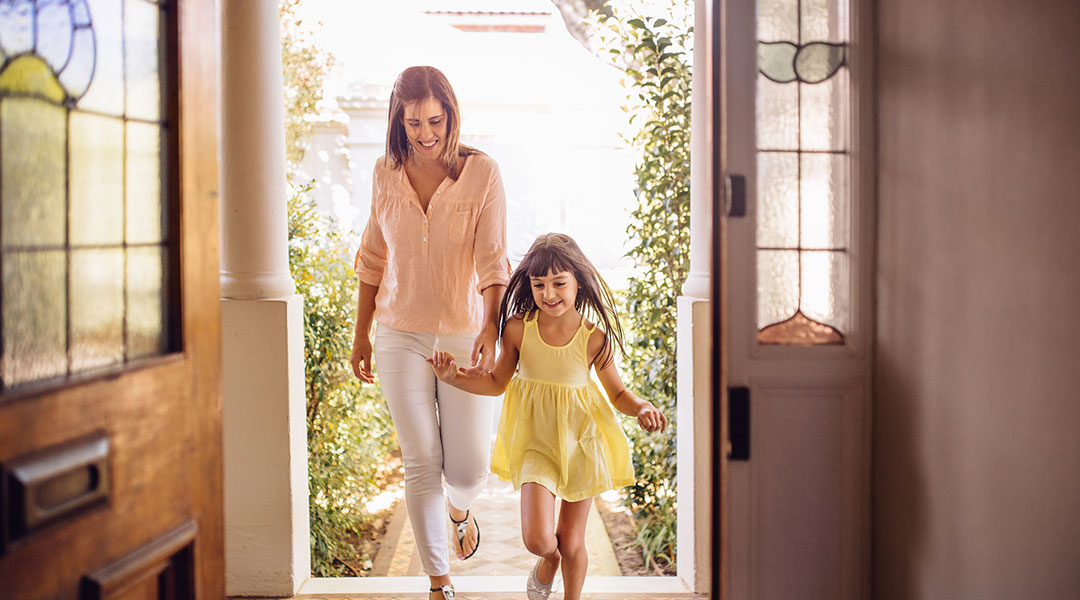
[106,92]
[54,30]
[17,26]
[77,74]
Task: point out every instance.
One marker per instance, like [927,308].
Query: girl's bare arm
[649,417]
[485,384]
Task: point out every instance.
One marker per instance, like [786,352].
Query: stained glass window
[803,212]
[86,253]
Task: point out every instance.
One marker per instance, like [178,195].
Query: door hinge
[734,195]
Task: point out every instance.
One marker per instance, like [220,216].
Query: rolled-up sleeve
[370,260]
[489,249]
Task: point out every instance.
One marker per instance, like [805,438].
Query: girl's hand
[483,351]
[445,367]
[651,419]
[361,359]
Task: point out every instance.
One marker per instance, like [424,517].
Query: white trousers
[442,431]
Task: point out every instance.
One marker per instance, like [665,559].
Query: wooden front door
[110,412]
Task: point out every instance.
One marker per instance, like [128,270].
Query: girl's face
[425,126]
[554,293]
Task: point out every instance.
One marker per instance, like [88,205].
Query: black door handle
[738,423]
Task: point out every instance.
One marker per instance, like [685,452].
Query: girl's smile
[555,293]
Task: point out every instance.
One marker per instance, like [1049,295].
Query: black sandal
[447,590]
[462,528]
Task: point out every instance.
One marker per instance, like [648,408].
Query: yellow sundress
[557,428]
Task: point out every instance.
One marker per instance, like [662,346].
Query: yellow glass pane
[106,93]
[97,308]
[145,302]
[34,316]
[96,167]
[144,208]
[29,75]
[32,171]
[142,24]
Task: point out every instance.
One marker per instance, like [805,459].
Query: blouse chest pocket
[460,226]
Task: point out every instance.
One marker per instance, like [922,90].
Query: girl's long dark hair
[558,253]
[415,84]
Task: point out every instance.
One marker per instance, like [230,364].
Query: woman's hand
[483,351]
[650,418]
[445,367]
[361,359]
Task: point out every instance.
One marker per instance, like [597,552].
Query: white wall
[977,411]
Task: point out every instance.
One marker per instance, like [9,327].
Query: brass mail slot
[52,483]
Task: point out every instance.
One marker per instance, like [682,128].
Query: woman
[433,268]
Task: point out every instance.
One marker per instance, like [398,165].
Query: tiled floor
[501,551]
[501,556]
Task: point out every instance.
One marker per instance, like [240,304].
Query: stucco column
[254,244]
[267,550]
[694,341]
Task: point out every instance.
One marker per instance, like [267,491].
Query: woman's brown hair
[558,253]
[416,84]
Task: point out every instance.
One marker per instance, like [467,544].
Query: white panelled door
[799,305]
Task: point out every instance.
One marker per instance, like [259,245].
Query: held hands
[445,367]
[650,418]
[483,352]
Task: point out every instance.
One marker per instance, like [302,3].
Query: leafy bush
[349,427]
[655,55]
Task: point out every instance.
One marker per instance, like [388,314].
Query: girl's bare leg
[538,529]
[571,533]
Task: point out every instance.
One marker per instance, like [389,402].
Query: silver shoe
[535,590]
[447,591]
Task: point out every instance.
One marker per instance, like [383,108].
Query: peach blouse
[431,267]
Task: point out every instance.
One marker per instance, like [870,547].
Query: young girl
[557,436]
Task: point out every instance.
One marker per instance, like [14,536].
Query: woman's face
[425,126]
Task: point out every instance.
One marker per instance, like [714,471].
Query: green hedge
[655,56]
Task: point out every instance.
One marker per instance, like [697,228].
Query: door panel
[798,508]
[161,416]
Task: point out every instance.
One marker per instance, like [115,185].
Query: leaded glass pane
[83,236]
[777,115]
[35,316]
[778,285]
[32,176]
[824,113]
[803,204]
[824,288]
[778,200]
[778,20]
[97,308]
[141,28]
[106,92]
[54,34]
[16,27]
[145,302]
[96,168]
[824,20]
[144,215]
[824,206]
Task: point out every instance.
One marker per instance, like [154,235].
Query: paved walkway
[501,551]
